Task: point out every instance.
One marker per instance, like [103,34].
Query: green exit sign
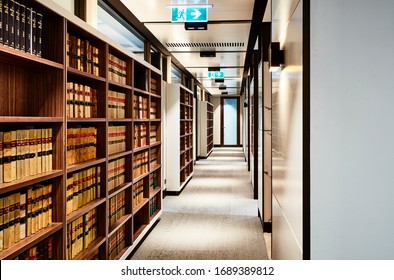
[215,74]
[189,14]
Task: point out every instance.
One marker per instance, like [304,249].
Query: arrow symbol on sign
[196,14]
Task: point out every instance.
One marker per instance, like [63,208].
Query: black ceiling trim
[258,14]
[221,67]
[215,50]
[209,22]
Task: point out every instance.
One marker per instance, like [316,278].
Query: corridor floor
[214,218]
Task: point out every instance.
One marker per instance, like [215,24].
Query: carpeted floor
[214,218]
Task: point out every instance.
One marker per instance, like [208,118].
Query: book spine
[6,31]
[11,23]
[22,231]
[1,23]
[39,34]
[22,27]
[28,30]
[1,155]
[1,223]
[33,42]
[17,26]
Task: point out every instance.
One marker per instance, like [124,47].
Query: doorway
[230,122]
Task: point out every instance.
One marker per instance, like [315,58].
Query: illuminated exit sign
[215,74]
[189,14]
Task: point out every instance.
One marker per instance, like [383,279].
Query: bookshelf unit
[180,117]
[72,156]
[206,128]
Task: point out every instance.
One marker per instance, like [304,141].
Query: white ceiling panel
[229,23]
[157,10]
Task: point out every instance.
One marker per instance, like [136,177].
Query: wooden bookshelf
[78,88]
[180,116]
[206,129]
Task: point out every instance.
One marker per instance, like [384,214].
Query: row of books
[117,207]
[116,139]
[154,181]
[140,135]
[81,101]
[186,98]
[186,113]
[20,27]
[42,251]
[140,107]
[153,110]
[81,144]
[153,134]
[153,85]
[138,193]
[24,213]
[80,233]
[154,157]
[82,188]
[82,55]
[116,173]
[141,164]
[154,205]
[116,242]
[116,104]
[186,128]
[25,152]
[117,69]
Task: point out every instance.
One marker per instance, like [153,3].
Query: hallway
[215,216]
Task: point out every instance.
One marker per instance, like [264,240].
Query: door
[230,121]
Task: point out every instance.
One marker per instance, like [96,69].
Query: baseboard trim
[177,193]
[205,157]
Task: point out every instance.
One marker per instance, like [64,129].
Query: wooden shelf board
[84,209]
[154,168]
[119,155]
[154,192]
[14,56]
[139,149]
[86,164]
[26,119]
[31,180]
[154,144]
[119,256]
[155,95]
[139,178]
[141,91]
[118,189]
[86,120]
[120,120]
[154,215]
[141,120]
[30,241]
[93,246]
[140,205]
[113,83]
[155,120]
[84,74]
[119,223]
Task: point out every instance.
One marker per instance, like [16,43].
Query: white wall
[287,179]
[352,137]
[216,120]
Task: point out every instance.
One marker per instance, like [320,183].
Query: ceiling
[229,23]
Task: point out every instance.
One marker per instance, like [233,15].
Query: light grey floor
[214,218]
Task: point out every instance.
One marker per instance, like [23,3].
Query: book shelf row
[80,136]
[206,129]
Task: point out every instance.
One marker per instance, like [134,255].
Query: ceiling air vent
[206,45]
